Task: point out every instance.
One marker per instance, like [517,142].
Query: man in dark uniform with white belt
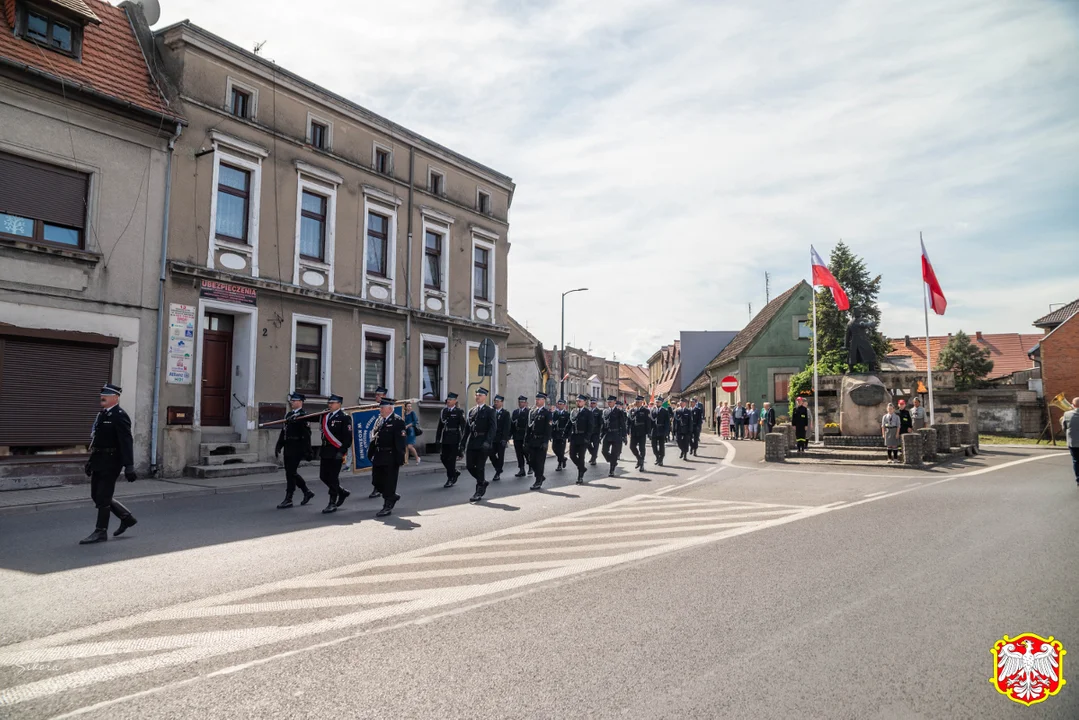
[559,433]
[519,423]
[380,392]
[111,450]
[451,426]
[640,427]
[539,435]
[479,435]
[386,451]
[581,421]
[597,429]
[336,429]
[295,440]
[503,431]
[661,430]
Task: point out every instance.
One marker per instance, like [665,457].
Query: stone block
[788,431]
[943,441]
[963,431]
[775,447]
[913,448]
[863,400]
[929,444]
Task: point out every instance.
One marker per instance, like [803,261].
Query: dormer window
[50,31]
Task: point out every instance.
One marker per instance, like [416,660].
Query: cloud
[667,154]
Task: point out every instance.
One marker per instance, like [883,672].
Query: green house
[763,356]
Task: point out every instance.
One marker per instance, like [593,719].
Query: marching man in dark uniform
[800,421]
[336,440]
[380,392]
[502,437]
[386,451]
[597,430]
[614,432]
[697,413]
[451,427]
[581,421]
[110,452]
[661,430]
[519,421]
[640,427]
[539,435]
[295,440]
[479,436]
[560,433]
[683,428]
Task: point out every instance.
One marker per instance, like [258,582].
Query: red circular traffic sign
[729,384]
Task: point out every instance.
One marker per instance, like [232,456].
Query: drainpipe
[408,279]
[159,349]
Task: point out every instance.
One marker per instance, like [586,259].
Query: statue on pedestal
[856,343]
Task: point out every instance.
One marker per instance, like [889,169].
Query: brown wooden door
[216,369]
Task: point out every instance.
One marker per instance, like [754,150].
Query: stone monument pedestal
[863,400]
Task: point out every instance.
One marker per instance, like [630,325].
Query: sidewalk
[68,496]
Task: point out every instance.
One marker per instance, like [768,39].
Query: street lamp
[562,382]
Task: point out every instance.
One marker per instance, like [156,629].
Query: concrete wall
[522,378]
[110,287]
[1009,410]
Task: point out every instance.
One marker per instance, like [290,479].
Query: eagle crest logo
[1028,668]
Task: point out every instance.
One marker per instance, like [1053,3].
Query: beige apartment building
[314,246]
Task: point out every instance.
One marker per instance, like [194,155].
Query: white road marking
[882,492]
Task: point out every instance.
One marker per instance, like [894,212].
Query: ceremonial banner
[363,422]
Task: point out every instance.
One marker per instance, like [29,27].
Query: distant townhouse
[319,248]
[85,143]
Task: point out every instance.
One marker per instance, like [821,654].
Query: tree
[969,362]
[862,290]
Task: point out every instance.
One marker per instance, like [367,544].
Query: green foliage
[862,290]
[969,362]
[802,383]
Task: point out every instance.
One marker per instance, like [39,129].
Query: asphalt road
[715,588]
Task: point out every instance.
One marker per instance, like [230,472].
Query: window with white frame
[378,244]
[382,159]
[313,225]
[433,363]
[433,250]
[316,211]
[311,353]
[483,202]
[241,100]
[234,203]
[376,359]
[436,181]
[319,132]
[481,272]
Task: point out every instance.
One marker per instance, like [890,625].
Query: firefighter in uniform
[386,451]
[111,450]
[683,428]
[581,421]
[661,430]
[295,440]
[451,426]
[614,432]
[537,438]
[519,422]
[697,413]
[380,392]
[560,433]
[479,437]
[502,438]
[640,427]
[336,440]
[597,429]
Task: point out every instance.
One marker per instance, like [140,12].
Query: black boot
[307,495]
[286,503]
[341,495]
[580,478]
[497,477]
[374,494]
[332,505]
[97,536]
[520,473]
[536,485]
[125,523]
[481,488]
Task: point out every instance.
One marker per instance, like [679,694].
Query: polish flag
[937,301]
[823,277]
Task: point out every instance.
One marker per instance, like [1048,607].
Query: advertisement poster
[181,344]
[363,421]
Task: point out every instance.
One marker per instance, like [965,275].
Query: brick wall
[1060,363]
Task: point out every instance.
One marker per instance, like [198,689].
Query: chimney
[978,334]
[906,340]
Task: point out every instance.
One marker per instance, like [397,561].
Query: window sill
[308,261]
[70,253]
[234,245]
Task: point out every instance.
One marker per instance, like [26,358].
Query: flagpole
[928,353]
[816,384]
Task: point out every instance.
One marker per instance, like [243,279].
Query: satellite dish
[151,10]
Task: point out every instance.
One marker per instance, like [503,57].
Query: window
[313,226]
[432,371]
[805,330]
[483,202]
[42,203]
[382,161]
[320,135]
[52,33]
[378,230]
[432,261]
[374,357]
[480,273]
[240,103]
[781,385]
[308,369]
[435,182]
[233,196]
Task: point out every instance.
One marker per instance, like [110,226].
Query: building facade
[578,370]
[526,364]
[606,372]
[663,369]
[85,139]
[316,247]
[1057,354]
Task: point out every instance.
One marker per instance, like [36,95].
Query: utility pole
[749,307]
[562,370]
[767,288]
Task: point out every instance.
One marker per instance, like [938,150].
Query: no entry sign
[729,384]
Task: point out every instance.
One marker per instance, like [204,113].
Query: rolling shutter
[49,391]
[42,192]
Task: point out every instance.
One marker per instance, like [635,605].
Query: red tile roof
[633,373]
[112,61]
[1008,351]
[1057,316]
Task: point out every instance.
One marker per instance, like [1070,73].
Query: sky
[668,154]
